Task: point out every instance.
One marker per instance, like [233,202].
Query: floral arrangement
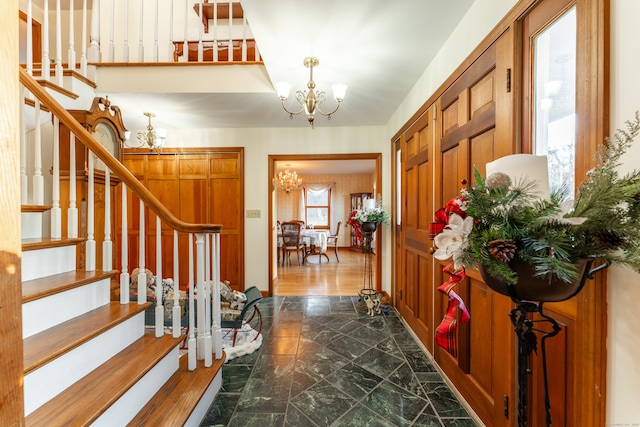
[367,214]
[496,220]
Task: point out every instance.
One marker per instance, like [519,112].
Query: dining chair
[291,240]
[332,240]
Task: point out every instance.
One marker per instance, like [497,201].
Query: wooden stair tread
[175,401]
[50,285]
[47,345]
[47,242]
[83,402]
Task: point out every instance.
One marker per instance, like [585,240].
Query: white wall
[259,143]
[623,347]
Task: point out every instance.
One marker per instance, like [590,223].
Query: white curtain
[326,186]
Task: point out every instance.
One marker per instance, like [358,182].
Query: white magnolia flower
[453,239]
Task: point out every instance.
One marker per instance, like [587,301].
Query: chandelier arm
[318,110]
[291,113]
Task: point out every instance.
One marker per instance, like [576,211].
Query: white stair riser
[123,411]
[47,262]
[209,396]
[44,313]
[31,225]
[49,380]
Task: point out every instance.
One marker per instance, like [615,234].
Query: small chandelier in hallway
[310,100]
[287,181]
[153,138]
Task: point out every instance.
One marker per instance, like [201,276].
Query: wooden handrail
[125,175]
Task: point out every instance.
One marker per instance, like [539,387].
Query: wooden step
[54,342]
[176,400]
[48,242]
[85,401]
[50,285]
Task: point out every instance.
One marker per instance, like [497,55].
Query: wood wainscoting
[197,185]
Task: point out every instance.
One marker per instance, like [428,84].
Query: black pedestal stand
[524,328]
[367,287]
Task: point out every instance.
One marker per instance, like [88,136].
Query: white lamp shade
[127,135]
[524,166]
[283,89]
[339,91]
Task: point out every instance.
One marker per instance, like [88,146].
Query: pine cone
[608,239]
[502,250]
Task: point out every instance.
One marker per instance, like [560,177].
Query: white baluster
[125,49]
[112,47]
[257,53]
[217,324]
[38,179]
[155,35]
[142,277]
[141,34]
[90,243]
[46,61]
[29,41]
[244,38]
[107,244]
[94,43]
[230,50]
[191,343]
[185,43]
[72,211]
[176,314]
[59,71]
[215,30]
[201,294]
[24,183]
[83,54]
[200,30]
[170,46]
[72,50]
[208,342]
[124,245]
[56,213]
[159,288]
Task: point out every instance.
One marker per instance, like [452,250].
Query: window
[318,207]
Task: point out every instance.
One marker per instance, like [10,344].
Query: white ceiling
[379,48]
[327,167]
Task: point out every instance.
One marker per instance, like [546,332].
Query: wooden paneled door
[414,287]
[206,186]
[474,127]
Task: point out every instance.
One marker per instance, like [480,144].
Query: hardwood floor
[345,278]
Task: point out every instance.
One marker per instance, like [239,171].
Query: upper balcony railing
[94,32]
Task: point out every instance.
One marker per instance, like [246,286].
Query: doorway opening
[333,277]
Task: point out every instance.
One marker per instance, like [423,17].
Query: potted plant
[368,218]
[385,302]
[517,239]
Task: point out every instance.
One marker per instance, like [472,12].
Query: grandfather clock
[104,122]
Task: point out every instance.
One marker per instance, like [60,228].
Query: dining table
[310,239]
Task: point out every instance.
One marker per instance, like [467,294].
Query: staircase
[89,358]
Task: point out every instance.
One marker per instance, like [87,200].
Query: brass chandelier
[153,138]
[310,100]
[287,181]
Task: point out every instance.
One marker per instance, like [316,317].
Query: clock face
[107,137]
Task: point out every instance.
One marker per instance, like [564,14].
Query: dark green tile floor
[324,362]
